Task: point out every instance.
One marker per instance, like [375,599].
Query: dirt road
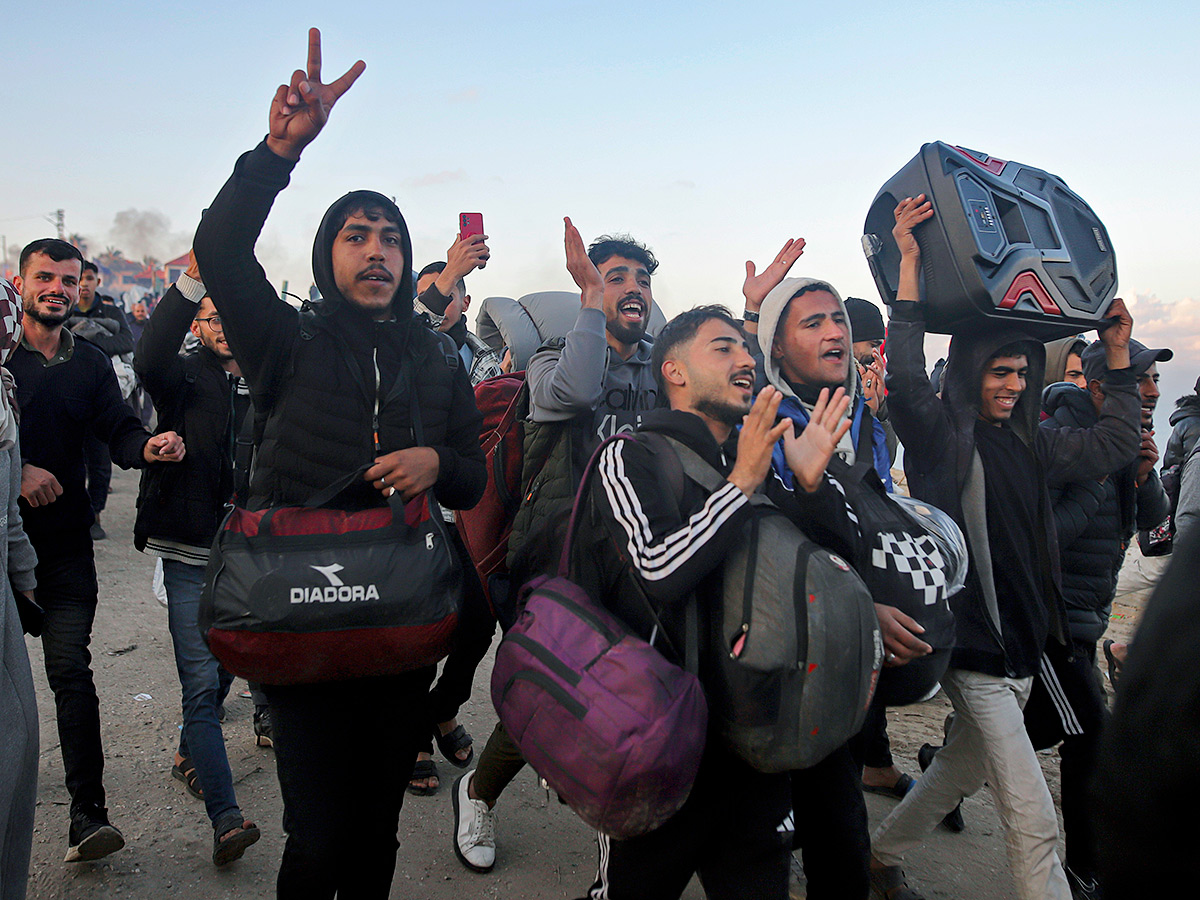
[544,851]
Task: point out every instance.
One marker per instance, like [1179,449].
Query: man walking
[976,453]
[179,511]
[67,392]
[335,387]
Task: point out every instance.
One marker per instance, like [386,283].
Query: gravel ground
[544,851]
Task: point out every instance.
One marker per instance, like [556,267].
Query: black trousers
[1067,705]
[66,590]
[472,639]
[339,812]
[734,831]
[831,827]
[871,746]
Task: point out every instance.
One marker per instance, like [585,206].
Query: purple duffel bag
[603,717]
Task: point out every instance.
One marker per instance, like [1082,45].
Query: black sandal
[184,771]
[456,739]
[424,769]
[231,836]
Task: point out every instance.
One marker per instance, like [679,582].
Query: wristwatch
[748,316]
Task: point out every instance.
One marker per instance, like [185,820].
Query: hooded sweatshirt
[997,631]
[798,409]
[1056,357]
[1185,425]
[333,388]
[1095,520]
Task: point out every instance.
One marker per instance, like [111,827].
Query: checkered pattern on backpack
[916,557]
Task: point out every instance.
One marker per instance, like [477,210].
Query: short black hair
[806,289]
[682,329]
[607,246]
[89,266]
[1016,348]
[438,268]
[55,248]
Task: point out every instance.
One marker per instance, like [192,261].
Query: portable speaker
[1007,242]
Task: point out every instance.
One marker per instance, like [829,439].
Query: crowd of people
[1043,454]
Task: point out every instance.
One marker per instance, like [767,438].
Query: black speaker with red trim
[1007,243]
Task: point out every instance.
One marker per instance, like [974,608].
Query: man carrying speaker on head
[976,453]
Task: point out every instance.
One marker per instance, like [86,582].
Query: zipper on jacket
[375,413]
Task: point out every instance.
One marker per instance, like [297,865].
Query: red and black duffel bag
[302,594]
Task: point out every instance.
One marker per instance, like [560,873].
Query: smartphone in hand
[469,224]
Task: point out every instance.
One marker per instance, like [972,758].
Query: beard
[627,332]
[730,414]
[48,319]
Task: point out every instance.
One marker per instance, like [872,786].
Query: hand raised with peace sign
[301,108]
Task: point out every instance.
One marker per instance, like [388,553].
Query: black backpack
[793,652]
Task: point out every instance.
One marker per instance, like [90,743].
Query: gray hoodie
[584,374]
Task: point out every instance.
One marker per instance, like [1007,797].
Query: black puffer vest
[185,501]
[324,422]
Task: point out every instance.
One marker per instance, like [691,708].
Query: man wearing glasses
[204,396]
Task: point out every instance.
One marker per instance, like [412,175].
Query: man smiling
[976,452]
[67,392]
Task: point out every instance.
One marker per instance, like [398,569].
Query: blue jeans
[204,684]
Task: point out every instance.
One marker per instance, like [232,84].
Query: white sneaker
[474,828]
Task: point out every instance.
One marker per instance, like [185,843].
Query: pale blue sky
[711,132]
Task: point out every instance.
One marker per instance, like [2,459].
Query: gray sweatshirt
[587,375]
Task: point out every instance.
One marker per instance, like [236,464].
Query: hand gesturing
[756,286]
[808,453]
[300,109]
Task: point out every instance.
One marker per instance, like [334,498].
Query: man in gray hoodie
[593,383]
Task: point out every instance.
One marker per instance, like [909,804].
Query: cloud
[684,183]
[470,95]
[435,178]
[1174,324]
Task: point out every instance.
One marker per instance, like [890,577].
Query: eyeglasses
[214,322]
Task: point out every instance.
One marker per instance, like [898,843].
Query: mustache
[376,270]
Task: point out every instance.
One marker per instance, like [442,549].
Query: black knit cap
[866,321]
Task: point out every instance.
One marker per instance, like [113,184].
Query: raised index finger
[314,55]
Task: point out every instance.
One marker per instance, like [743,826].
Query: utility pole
[59,223]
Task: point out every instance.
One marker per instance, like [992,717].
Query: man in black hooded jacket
[976,453]
[333,387]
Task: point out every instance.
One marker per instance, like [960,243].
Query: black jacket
[1185,424]
[196,398]
[1095,520]
[943,468]
[60,405]
[114,337]
[312,375]
[672,537]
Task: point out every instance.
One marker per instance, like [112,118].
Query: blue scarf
[794,410]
